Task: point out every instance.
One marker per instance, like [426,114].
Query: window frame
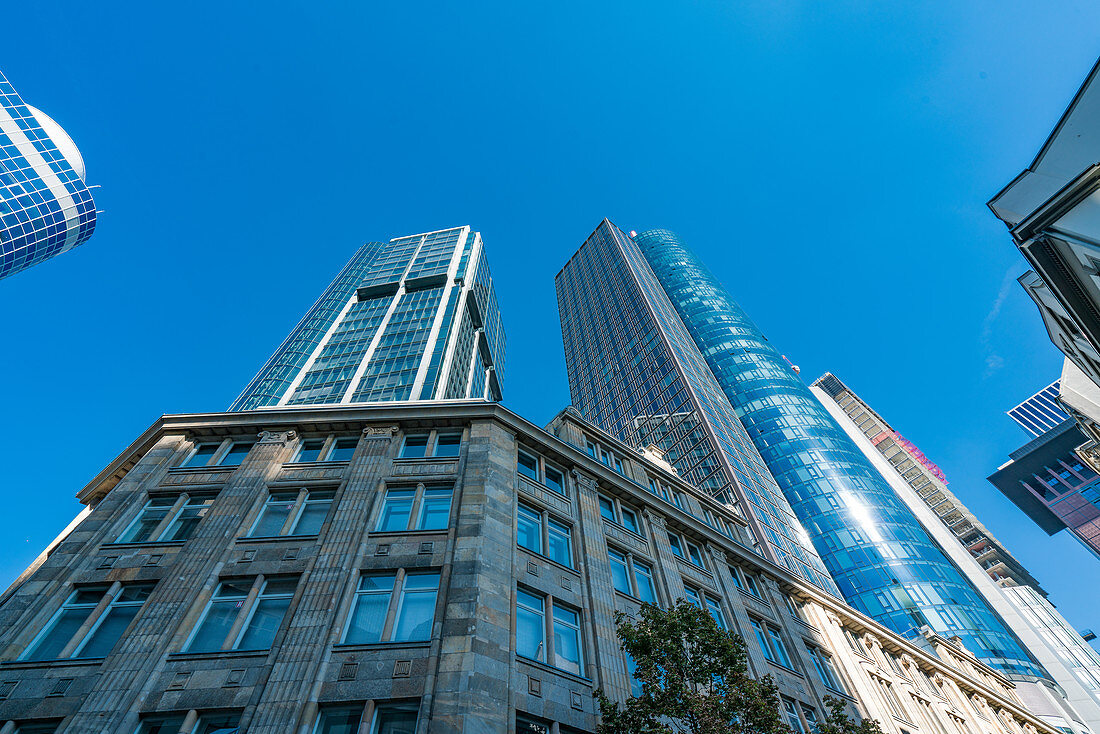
[550,622]
[431,445]
[416,509]
[329,445]
[98,612]
[770,639]
[172,513]
[395,604]
[246,612]
[707,603]
[631,563]
[546,521]
[171,720]
[542,465]
[826,669]
[370,713]
[677,541]
[617,510]
[303,497]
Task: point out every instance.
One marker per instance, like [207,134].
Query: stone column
[609,663]
[289,698]
[473,686]
[670,579]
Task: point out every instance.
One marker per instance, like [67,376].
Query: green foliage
[837,721]
[695,680]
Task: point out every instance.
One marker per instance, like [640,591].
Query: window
[636,687]
[236,453]
[811,718]
[538,532]
[216,454]
[393,607]
[792,608]
[300,512]
[632,576]
[553,637]
[82,629]
[823,664]
[790,708]
[693,554]
[535,467]
[202,455]
[326,449]
[415,447]
[242,615]
[771,643]
[213,723]
[350,720]
[707,604]
[447,444]
[388,718]
[614,511]
[527,725]
[892,700]
[37,727]
[419,508]
[752,586]
[591,448]
[434,444]
[167,519]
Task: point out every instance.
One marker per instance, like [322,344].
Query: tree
[695,680]
[837,721]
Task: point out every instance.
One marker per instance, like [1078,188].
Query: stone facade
[147,602]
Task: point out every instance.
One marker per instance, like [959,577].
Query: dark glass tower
[635,370]
[880,556]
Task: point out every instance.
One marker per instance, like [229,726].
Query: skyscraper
[634,369]
[865,426]
[1001,579]
[882,559]
[412,319]
[45,206]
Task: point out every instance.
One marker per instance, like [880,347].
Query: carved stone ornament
[908,661]
[380,431]
[871,641]
[717,553]
[832,617]
[277,437]
[655,519]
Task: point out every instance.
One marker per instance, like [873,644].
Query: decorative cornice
[380,431]
[717,553]
[277,437]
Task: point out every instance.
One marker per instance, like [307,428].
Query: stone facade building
[420,568]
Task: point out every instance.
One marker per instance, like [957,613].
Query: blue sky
[829,161]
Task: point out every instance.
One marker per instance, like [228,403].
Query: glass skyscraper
[415,318]
[45,206]
[635,370]
[882,559]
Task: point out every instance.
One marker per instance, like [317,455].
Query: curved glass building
[634,369]
[880,556]
[45,206]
